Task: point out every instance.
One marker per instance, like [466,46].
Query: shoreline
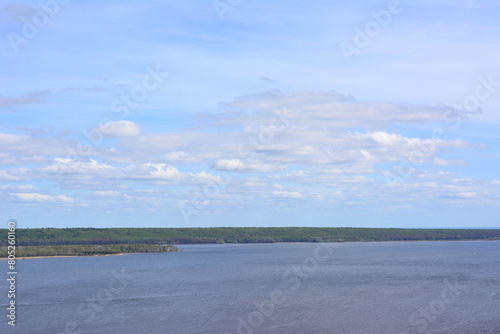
[54,256]
[325,242]
[242,243]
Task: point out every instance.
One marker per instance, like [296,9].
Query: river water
[383,287]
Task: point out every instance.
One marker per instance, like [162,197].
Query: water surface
[385,287]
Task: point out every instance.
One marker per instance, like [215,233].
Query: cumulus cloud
[303,139]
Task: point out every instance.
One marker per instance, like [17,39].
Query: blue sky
[250,113]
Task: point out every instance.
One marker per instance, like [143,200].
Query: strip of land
[24,252]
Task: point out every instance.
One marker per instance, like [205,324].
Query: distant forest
[109,236]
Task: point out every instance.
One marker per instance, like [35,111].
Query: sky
[250,113]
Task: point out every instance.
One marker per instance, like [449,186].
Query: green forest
[109,236]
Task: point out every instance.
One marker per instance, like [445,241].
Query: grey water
[383,287]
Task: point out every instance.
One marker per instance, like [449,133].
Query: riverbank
[24,252]
[47,257]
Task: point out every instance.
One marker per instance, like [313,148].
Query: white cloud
[33,149]
[328,109]
[387,139]
[121,129]
[467,194]
[236,165]
[229,165]
[443,162]
[287,194]
[78,173]
[182,157]
[308,148]
[8,139]
[166,173]
[155,171]
[68,167]
[36,197]
[107,193]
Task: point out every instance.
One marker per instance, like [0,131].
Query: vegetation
[79,250]
[110,236]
